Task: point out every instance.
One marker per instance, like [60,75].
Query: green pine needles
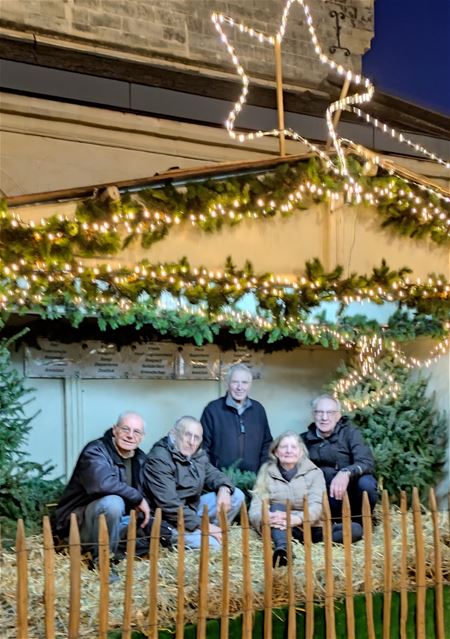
[406,432]
[24,485]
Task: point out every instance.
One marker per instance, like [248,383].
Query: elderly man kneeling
[176,473]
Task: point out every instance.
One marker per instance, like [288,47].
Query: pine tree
[406,432]
[24,485]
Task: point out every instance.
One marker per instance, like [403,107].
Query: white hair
[238,367]
[326,396]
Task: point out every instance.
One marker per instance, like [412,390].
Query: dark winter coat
[344,448]
[172,480]
[99,471]
[222,429]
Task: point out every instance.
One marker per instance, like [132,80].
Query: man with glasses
[177,474]
[107,479]
[339,450]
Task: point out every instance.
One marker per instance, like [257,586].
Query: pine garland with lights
[400,422]
[137,295]
[104,228]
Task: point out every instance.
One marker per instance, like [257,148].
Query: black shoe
[279,558]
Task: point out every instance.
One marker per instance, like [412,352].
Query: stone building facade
[181,33]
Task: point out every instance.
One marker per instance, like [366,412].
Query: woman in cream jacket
[289,475]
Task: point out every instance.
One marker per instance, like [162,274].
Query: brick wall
[181,31]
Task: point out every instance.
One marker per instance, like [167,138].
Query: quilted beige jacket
[308,481]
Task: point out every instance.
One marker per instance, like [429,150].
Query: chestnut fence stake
[22,582]
[49,579]
[127,598]
[180,575]
[75,578]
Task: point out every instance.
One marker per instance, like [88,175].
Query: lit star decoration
[350,103]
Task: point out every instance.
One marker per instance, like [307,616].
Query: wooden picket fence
[152,625]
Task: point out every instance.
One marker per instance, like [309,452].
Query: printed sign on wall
[51,359]
[152,360]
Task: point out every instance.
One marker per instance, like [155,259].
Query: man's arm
[206,421]
[160,483]
[99,477]
[363,462]
[267,438]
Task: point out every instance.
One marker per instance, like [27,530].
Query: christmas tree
[400,422]
[25,488]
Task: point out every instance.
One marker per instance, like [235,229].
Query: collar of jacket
[303,466]
[234,406]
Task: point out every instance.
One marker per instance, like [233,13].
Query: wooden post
[347,533]
[22,582]
[292,621]
[387,534]
[420,566]
[268,576]
[247,595]
[329,577]
[309,577]
[367,526]
[49,579]
[203,577]
[152,626]
[438,580]
[127,598]
[225,610]
[280,106]
[180,575]
[337,114]
[103,566]
[403,565]
[75,578]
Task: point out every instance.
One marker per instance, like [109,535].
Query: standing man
[176,474]
[107,479]
[339,450]
[235,427]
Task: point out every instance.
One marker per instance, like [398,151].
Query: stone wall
[181,32]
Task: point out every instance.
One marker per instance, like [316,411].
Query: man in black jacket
[235,427]
[107,479]
[339,450]
[176,474]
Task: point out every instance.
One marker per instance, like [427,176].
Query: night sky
[410,54]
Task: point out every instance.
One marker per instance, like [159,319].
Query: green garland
[203,307]
[42,272]
[96,287]
[101,228]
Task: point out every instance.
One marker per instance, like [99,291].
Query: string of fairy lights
[348,103]
[24,280]
[104,235]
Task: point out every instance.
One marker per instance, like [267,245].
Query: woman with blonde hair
[289,475]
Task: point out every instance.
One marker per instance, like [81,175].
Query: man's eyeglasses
[137,434]
[325,413]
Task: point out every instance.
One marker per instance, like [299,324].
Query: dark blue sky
[410,54]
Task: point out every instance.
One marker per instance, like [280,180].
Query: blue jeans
[113,507]
[193,539]
[355,492]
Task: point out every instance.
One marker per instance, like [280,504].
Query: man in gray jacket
[176,473]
